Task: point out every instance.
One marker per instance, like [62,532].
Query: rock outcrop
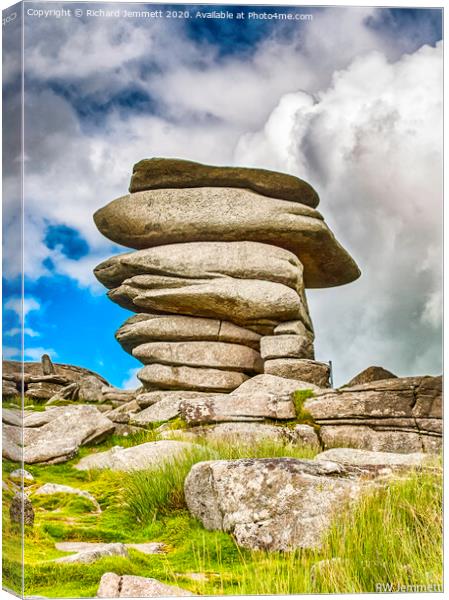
[55,435]
[43,380]
[282,504]
[217,281]
[394,415]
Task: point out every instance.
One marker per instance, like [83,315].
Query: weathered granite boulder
[132,586]
[50,489]
[270,504]
[217,355]
[157,173]
[205,260]
[21,510]
[287,346]
[59,440]
[143,328]
[228,214]
[168,407]
[124,412]
[245,302]
[143,456]
[9,389]
[237,407]
[302,369]
[370,374]
[393,415]
[190,378]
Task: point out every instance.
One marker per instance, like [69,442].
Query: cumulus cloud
[371,143]
[24,307]
[131,382]
[356,112]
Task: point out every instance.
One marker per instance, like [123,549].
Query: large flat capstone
[154,173]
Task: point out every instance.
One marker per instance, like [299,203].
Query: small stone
[20,475]
[305,435]
[132,586]
[89,556]
[49,489]
[371,374]
[191,378]
[317,373]
[142,456]
[287,346]
[21,508]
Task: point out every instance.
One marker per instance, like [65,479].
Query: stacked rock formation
[218,276]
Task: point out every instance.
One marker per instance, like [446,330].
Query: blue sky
[351,101]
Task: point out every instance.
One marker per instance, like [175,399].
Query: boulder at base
[270,504]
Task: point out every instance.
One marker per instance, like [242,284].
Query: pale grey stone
[124,412]
[21,475]
[299,368]
[143,456]
[368,458]
[228,214]
[145,548]
[87,557]
[59,440]
[238,407]
[191,378]
[150,398]
[49,489]
[270,504]
[176,328]
[249,303]
[203,261]
[287,346]
[132,586]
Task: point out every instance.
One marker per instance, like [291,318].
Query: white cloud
[348,111]
[371,144]
[131,382]
[16,305]
[35,354]
[17,331]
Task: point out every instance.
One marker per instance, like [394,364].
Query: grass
[393,536]
[302,415]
